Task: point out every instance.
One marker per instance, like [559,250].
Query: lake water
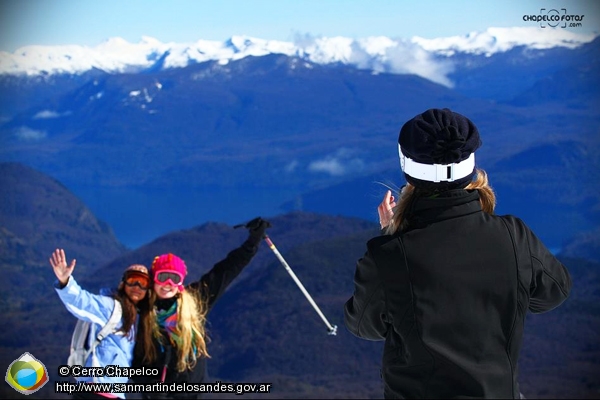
[140,216]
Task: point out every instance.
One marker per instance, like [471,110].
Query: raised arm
[214,283]
[82,304]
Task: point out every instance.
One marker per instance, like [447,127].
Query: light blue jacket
[115,349]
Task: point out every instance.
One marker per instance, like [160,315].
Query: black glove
[257,228]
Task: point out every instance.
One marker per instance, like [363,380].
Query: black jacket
[449,296]
[210,287]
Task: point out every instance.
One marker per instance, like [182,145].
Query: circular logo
[26,374]
[553,18]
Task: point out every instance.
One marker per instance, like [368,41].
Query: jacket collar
[446,205]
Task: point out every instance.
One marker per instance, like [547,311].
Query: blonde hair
[487,198]
[191,320]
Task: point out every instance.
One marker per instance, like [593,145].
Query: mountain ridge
[380,54]
[263,329]
[268,130]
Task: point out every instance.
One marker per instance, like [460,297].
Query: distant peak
[239,43]
[150,40]
[376,53]
[496,40]
[114,41]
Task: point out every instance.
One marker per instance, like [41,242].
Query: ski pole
[331,329]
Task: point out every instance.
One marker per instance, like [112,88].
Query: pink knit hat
[169,263]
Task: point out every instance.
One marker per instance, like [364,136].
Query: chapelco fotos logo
[26,374]
[552,17]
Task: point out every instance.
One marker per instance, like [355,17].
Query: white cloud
[406,58]
[379,54]
[338,164]
[291,166]
[332,167]
[26,133]
[45,114]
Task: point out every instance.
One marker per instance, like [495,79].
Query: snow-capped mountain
[427,58]
[297,120]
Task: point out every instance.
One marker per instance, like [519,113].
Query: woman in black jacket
[172,337]
[448,284]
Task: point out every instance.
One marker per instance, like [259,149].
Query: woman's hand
[386,209]
[257,228]
[60,267]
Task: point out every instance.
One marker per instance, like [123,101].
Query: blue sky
[90,22]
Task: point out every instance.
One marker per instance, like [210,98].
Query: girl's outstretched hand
[60,267]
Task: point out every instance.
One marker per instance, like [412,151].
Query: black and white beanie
[437,150]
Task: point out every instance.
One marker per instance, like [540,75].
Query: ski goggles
[139,281]
[172,277]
